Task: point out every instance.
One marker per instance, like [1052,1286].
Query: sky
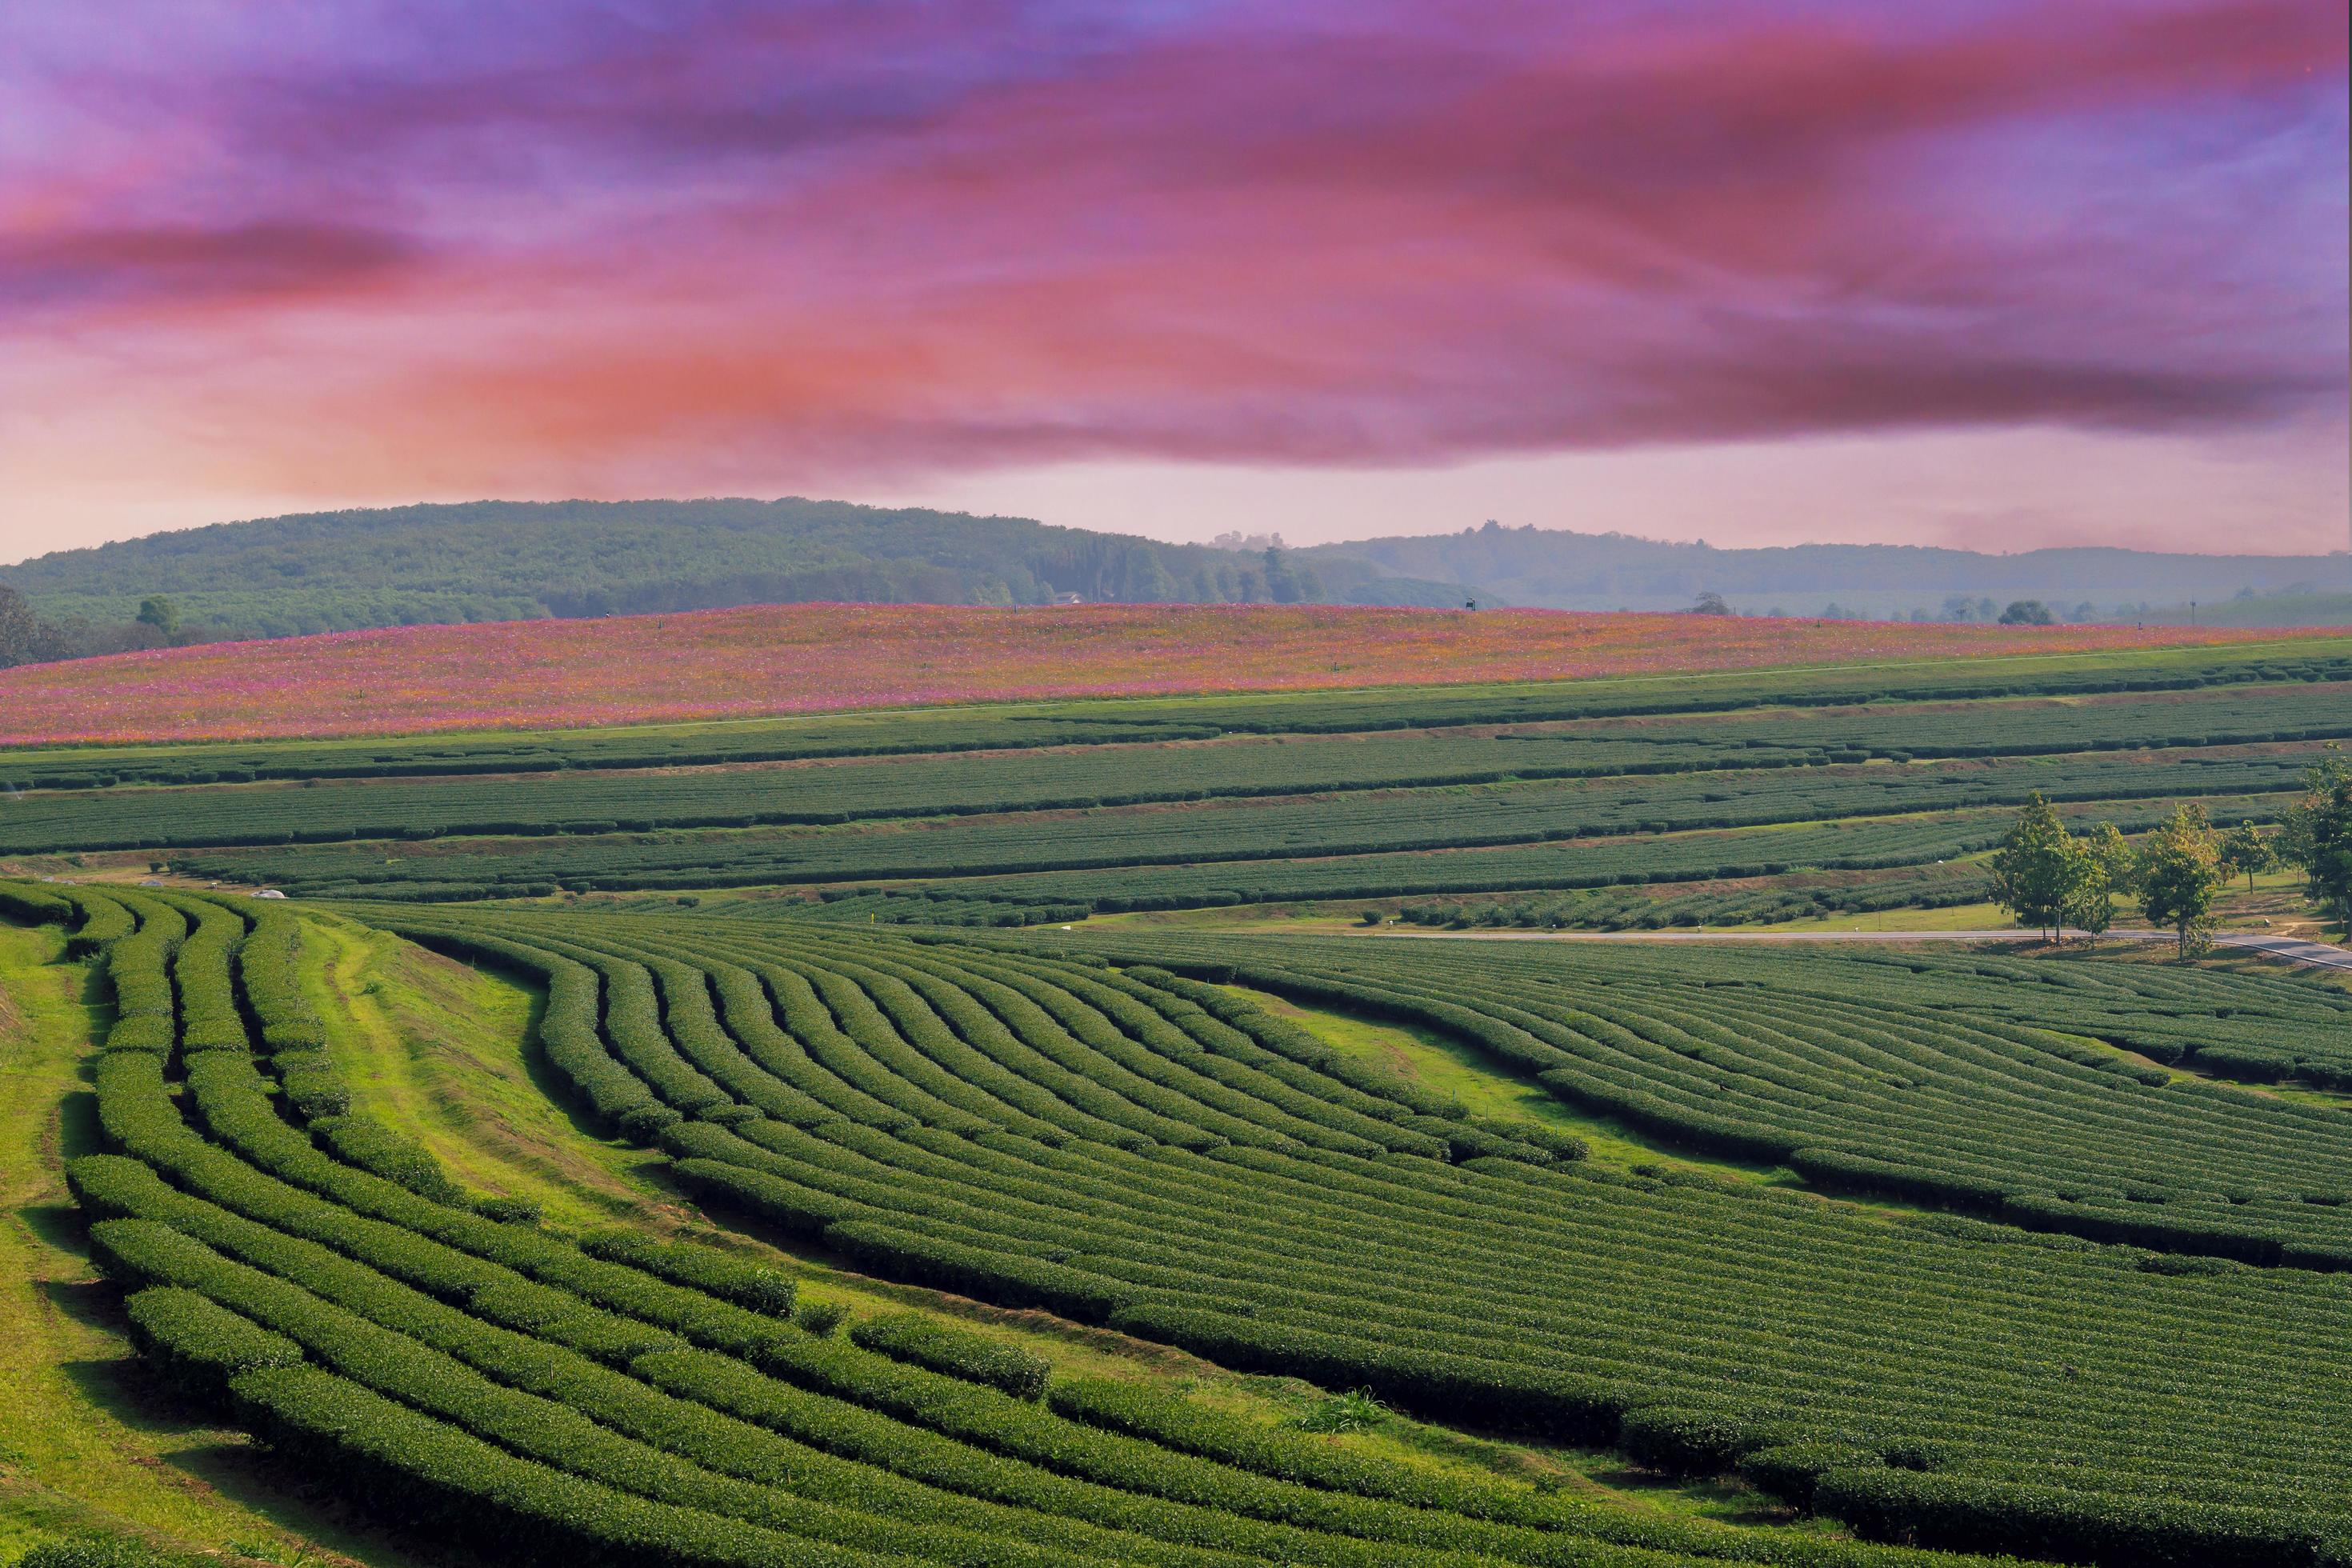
[1996,274]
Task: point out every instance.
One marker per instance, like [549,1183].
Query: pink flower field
[807,658]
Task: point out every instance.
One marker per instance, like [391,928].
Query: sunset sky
[1987,274]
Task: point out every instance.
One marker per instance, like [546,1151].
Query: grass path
[1451,1067]
[444,1052]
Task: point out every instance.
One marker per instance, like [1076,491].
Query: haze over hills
[1615,571]
[520,560]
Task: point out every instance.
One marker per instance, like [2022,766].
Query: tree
[2039,869]
[18,629]
[2181,870]
[1281,581]
[2110,867]
[2116,856]
[160,613]
[2090,906]
[2028,613]
[2318,837]
[1710,603]
[2244,850]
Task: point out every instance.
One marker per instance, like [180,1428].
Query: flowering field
[792,658]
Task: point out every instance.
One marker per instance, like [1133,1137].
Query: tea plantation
[1862,1257]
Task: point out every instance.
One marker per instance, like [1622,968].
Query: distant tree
[1147,582]
[2246,851]
[1710,603]
[2086,611]
[2039,869]
[2113,867]
[2181,870]
[1282,583]
[1960,608]
[2318,837]
[160,613]
[19,630]
[2028,613]
[2090,904]
[2108,847]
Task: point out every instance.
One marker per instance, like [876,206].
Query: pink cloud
[821,244]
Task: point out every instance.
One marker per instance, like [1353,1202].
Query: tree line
[2053,879]
[27,638]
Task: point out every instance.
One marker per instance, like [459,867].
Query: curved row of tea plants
[1795,897]
[1127,1146]
[640,800]
[1862,844]
[1953,1080]
[1350,825]
[618,1399]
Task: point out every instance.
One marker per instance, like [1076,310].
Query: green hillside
[511,559]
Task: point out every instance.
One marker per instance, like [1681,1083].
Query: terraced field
[1432,793]
[636,1401]
[2026,1091]
[1915,1253]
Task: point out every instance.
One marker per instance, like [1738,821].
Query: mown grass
[446,1053]
[1453,1067]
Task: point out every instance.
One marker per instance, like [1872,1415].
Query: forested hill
[1561,570]
[511,559]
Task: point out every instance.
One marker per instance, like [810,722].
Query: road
[2292,950]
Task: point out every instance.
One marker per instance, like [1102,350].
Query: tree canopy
[2318,837]
[2181,870]
[2040,869]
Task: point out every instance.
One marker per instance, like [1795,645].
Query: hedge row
[137,969]
[925,1340]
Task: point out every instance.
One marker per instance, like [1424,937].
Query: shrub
[103,1552]
[1790,1471]
[820,1318]
[1689,1439]
[1357,1410]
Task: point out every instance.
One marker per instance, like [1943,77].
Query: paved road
[2317,954]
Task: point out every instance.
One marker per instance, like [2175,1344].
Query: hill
[511,561]
[2287,609]
[1568,570]
[498,561]
[745,662]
